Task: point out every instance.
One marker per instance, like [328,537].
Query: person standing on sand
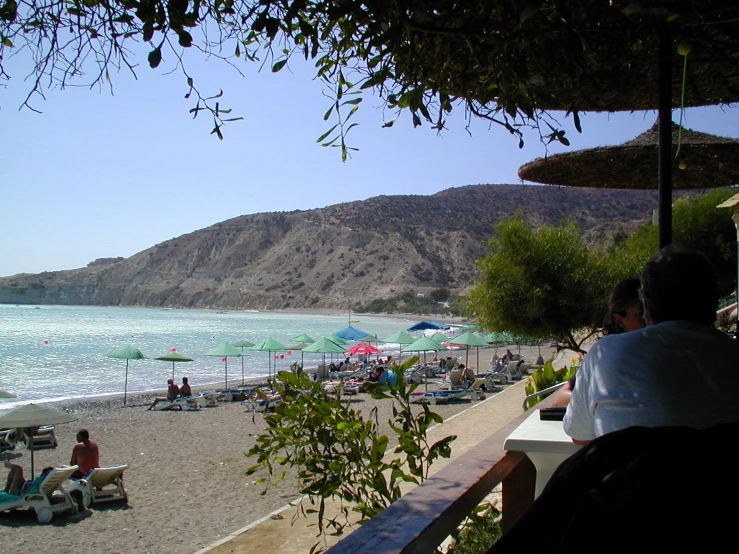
[85,454]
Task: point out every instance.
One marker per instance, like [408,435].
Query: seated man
[173,391]
[468,376]
[678,371]
[85,454]
[185,389]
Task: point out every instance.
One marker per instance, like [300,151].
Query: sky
[100,174]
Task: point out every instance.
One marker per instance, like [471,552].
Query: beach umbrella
[174,357]
[33,415]
[424,344]
[400,338]
[425,325]
[363,349]
[438,337]
[269,345]
[243,344]
[302,337]
[468,338]
[351,333]
[324,346]
[225,351]
[126,353]
[705,161]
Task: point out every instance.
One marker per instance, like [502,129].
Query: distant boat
[221,312]
[38,307]
[353,321]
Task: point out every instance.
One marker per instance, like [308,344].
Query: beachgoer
[449,363]
[185,389]
[16,483]
[467,374]
[679,370]
[173,391]
[625,314]
[85,454]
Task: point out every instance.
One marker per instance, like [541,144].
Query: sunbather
[173,391]
[85,454]
[467,374]
[185,389]
[16,483]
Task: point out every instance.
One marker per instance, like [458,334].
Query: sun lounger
[43,437]
[189,403]
[5,442]
[48,500]
[211,398]
[102,484]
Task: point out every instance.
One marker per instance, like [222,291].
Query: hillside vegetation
[339,256]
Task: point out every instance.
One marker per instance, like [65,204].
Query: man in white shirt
[679,370]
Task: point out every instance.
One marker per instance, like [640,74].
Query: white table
[545,443]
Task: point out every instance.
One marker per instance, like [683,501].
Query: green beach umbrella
[127,352]
[269,346]
[438,337]
[174,357]
[302,337]
[424,344]
[401,338]
[326,345]
[243,344]
[468,339]
[225,351]
[337,340]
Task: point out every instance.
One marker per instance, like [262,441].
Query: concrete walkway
[276,534]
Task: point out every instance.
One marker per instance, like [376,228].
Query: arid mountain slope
[331,257]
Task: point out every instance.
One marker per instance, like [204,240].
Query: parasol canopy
[708,161]
[127,352]
[224,351]
[174,357]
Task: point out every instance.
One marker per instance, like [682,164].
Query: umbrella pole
[226,366]
[32,468]
[172,371]
[125,387]
[242,366]
[664,149]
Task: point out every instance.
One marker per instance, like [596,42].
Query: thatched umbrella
[705,161]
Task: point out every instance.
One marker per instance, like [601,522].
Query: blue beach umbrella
[351,333]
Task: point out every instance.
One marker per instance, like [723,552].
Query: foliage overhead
[505,61]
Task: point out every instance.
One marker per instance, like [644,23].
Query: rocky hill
[332,257]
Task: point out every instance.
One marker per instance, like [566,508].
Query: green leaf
[155,57]
[237,53]
[7,42]
[327,133]
[278,65]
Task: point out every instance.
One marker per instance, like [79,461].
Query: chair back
[455,377]
[54,479]
[103,476]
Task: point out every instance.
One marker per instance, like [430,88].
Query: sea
[53,353]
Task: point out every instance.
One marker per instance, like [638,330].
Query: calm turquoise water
[60,352]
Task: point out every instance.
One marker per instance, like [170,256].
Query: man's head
[170,381]
[184,380]
[83,435]
[678,283]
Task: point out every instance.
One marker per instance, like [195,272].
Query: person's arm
[579,420]
[73,461]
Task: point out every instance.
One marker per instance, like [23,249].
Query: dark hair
[84,433]
[679,284]
[623,296]
[184,379]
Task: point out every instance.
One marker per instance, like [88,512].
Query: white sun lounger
[102,484]
[50,499]
[189,403]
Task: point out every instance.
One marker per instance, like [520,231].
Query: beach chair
[5,442]
[49,499]
[211,398]
[104,484]
[455,382]
[41,438]
[187,404]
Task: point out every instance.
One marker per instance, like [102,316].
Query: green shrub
[546,376]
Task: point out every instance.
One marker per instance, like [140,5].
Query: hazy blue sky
[100,175]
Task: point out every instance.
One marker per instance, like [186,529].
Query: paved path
[276,534]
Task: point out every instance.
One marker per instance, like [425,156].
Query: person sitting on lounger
[185,389]
[467,374]
[85,454]
[173,391]
[16,483]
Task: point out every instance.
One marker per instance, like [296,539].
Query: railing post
[518,492]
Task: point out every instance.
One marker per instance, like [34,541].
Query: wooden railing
[425,516]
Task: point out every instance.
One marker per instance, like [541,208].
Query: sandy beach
[186,482]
